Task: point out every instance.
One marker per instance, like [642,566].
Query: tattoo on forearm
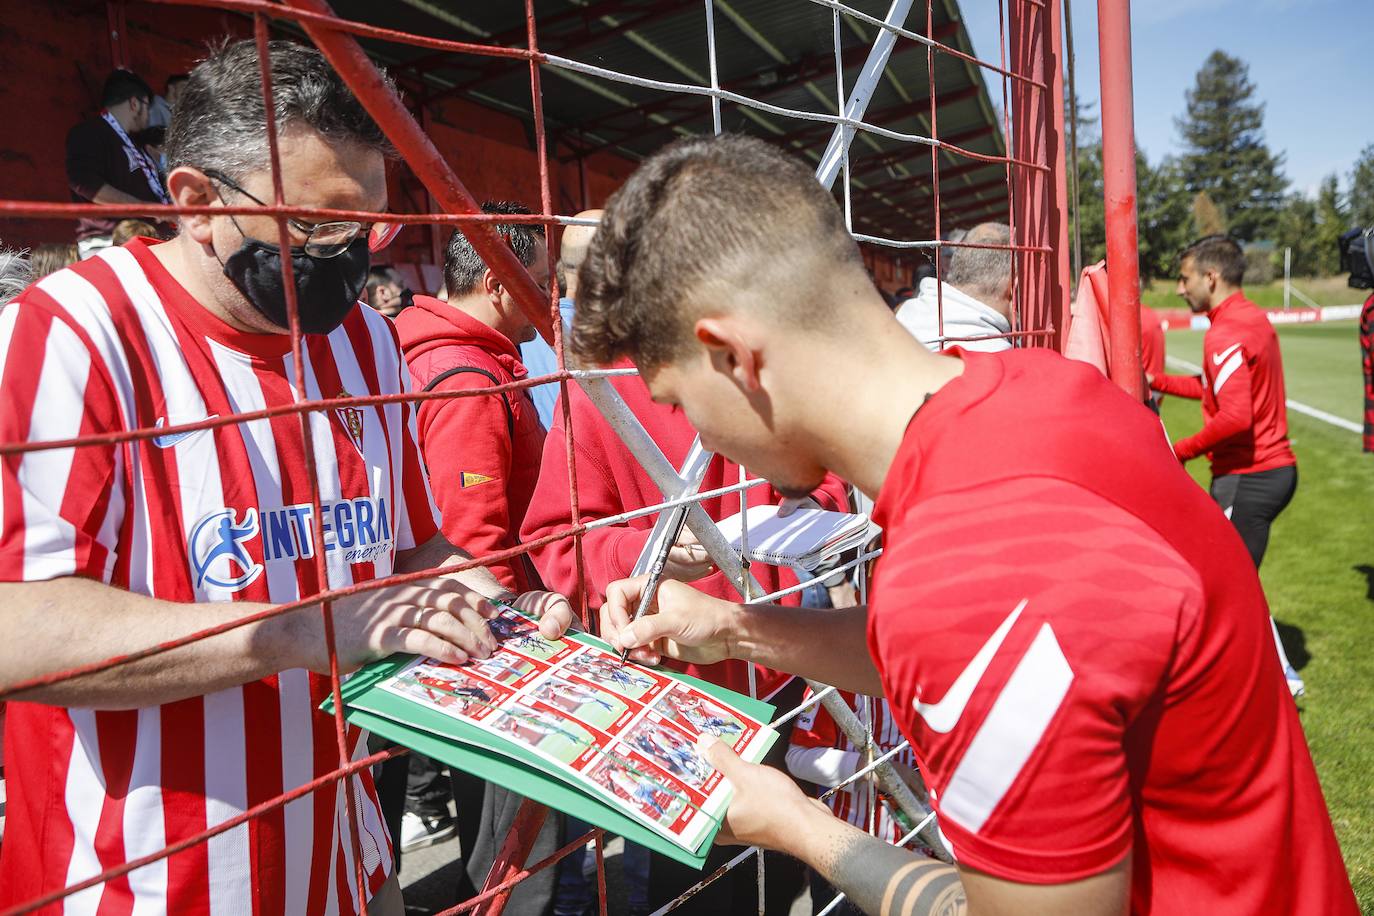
[884,880]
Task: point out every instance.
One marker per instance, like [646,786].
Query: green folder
[511,765]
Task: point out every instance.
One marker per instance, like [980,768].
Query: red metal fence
[1028,73]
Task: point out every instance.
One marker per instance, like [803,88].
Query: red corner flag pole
[1118,172]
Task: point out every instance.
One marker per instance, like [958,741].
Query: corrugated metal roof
[776,51]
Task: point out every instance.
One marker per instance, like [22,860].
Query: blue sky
[1307,60]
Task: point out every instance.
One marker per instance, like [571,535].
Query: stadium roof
[779,52]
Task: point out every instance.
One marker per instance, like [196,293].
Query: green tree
[1362,189]
[1088,216]
[1225,154]
[1207,217]
[1333,218]
[1164,216]
[1293,230]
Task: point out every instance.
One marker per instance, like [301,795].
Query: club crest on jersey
[352,420]
[218,555]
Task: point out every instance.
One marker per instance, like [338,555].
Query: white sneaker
[1295,685]
[419,831]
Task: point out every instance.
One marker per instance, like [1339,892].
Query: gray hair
[15,274]
[463,266]
[220,122]
[982,270]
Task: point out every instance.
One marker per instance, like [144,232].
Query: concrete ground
[429,876]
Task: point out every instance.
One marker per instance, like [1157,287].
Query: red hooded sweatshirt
[611,481]
[482,452]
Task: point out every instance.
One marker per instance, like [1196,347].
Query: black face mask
[326,288]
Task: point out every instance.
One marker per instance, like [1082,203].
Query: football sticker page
[622,732]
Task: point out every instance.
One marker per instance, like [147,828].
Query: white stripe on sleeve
[1010,733]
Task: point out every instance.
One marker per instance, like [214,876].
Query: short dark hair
[384,273]
[220,122]
[463,266]
[728,209]
[122,85]
[1220,253]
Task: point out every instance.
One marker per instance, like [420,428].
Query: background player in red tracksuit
[482,455]
[1244,406]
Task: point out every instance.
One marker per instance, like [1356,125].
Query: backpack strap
[447,373]
[531,573]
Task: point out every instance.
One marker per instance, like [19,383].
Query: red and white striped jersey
[858,803]
[115,343]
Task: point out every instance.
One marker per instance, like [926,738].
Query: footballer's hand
[439,617]
[766,808]
[552,610]
[681,622]
[688,561]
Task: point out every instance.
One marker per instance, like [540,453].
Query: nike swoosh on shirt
[171,439]
[941,717]
[1219,358]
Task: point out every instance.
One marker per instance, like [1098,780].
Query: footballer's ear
[731,350]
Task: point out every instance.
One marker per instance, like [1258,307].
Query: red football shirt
[1075,641]
[115,343]
[1244,406]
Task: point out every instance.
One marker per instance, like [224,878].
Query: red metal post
[362,76]
[510,860]
[119,40]
[1037,136]
[1118,174]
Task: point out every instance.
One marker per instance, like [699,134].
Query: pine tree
[1362,189]
[1225,151]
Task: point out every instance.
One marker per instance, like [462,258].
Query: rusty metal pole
[1118,174]
[362,76]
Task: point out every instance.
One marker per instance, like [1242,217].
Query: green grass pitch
[1319,572]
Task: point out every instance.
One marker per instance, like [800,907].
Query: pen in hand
[675,524]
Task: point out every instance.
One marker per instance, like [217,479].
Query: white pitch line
[1299,406]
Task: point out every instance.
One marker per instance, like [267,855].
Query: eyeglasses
[322,240]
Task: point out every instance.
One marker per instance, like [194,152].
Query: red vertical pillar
[119,40]
[1118,173]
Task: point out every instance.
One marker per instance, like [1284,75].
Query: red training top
[481,475]
[611,481]
[1243,402]
[1151,341]
[1074,639]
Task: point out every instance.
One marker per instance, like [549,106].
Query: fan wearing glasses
[329,260]
[152,542]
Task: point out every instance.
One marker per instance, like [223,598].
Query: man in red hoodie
[482,454]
